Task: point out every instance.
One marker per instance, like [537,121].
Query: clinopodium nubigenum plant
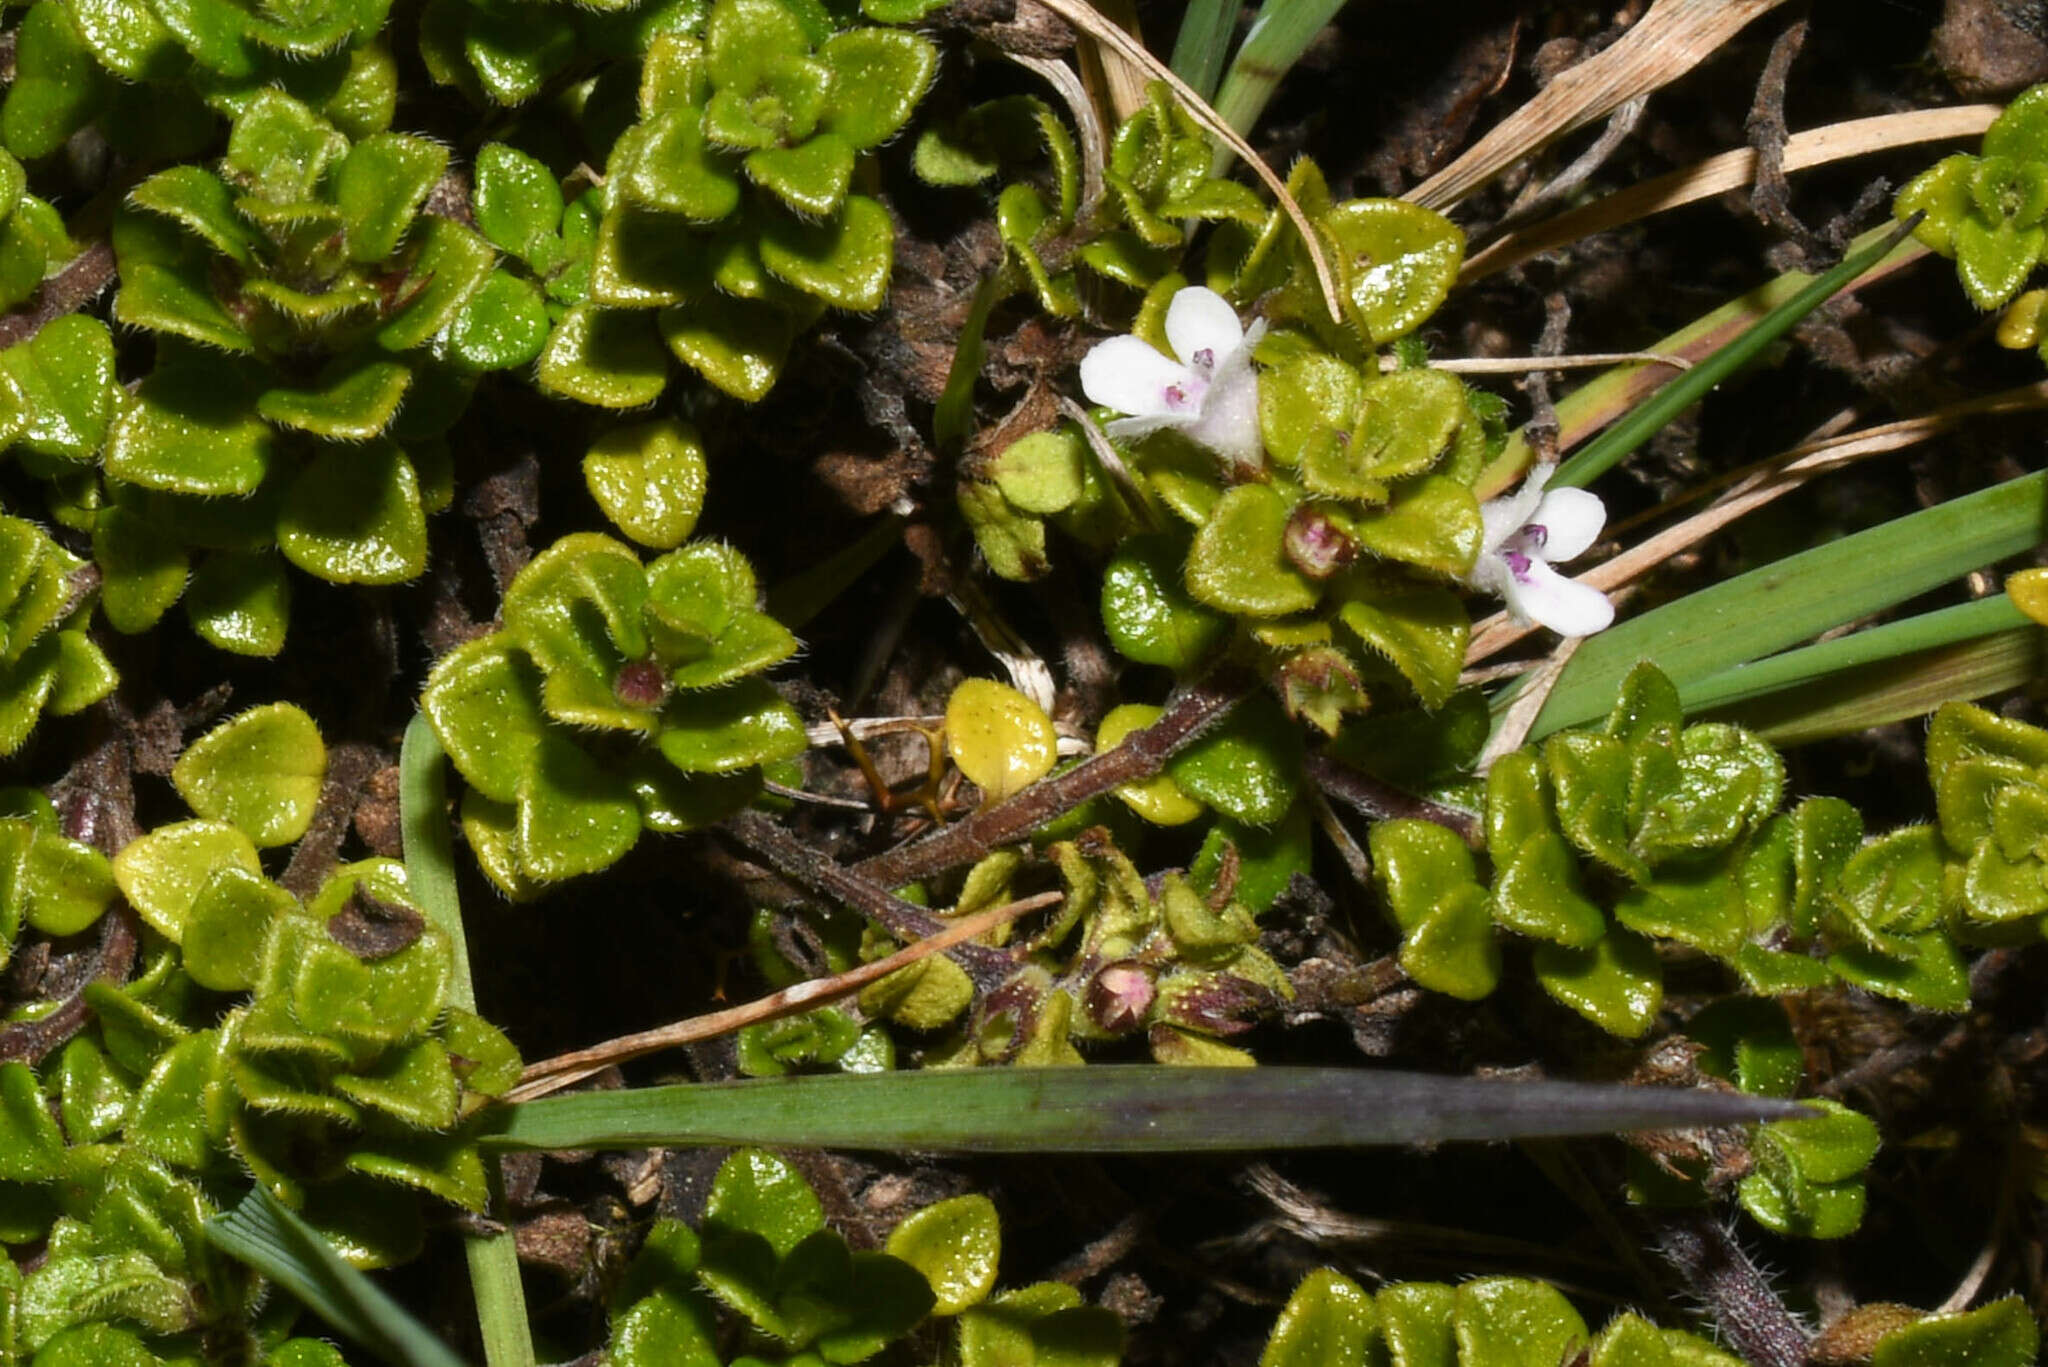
[618,696]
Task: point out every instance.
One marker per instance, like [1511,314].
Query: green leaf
[1749,1042]
[1617,984]
[666,167]
[575,817]
[128,39]
[1452,949]
[278,150]
[61,387]
[483,699]
[1506,1321]
[514,50]
[603,357]
[379,186]
[1926,971]
[228,927]
[518,204]
[811,177]
[1327,1322]
[1404,422]
[649,480]
[1001,740]
[353,516]
[956,1245]
[739,345]
[1415,1319]
[31,1146]
[260,771]
[844,262]
[192,429]
[1892,886]
[735,727]
[878,76]
[1538,892]
[1432,523]
[2001,1334]
[1701,908]
[354,398]
[1421,631]
[57,86]
[163,872]
[503,325]
[1395,262]
[449,266]
[142,571]
[1238,561]
[1994,260]
[240,602]
[1248,767]
[1149,617]
[164,283]
[756,1192]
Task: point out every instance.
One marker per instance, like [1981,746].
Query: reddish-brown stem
[1382,801]
[1140,755]
[69,290]
[29,1041]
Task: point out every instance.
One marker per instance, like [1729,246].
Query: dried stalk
[1673,38]
[1728,171]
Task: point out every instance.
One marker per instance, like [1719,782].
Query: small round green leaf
[353,516]
[1150,618]
[261,772]
[1002,740]
[1395,262]
[844,261]
[957,1245]
[163,872]
[649,480]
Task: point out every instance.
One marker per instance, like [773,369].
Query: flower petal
[1128,430]
[1571,519]
[1503,517]
[1200,319]
[1126,374]
[1229,422]
[1540,594]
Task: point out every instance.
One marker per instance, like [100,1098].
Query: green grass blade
[1134,1109]
[1892,690]
[1809,664]
[430,875]
[1652,416]
[1278,37]
[288,1251]
[1202,44]
[1794,599]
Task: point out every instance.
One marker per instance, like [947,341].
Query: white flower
[1211,393]
[1525,533]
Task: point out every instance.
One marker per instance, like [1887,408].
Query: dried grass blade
[1673,38]
[1728,171]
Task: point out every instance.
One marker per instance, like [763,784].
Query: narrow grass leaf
[1107,1109]
[1797,598]
[1890,690]
[430,877]
[1278,37]
[284,1248]
[1202,44]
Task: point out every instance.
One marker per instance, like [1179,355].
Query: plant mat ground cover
[801,475]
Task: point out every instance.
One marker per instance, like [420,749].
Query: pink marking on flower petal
[1518,564]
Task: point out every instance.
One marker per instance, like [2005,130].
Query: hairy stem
[1142,754]
[1714,1268]
[1382,801]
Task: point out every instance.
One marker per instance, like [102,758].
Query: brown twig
[69,290]
[1142,754]
[819,874]
[1383,802]
[30,1040]
[563,1070]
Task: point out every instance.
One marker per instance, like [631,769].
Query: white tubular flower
[1528,531]
[1211,393]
